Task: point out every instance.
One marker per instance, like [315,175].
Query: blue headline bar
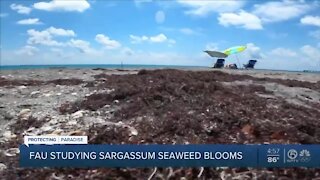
[170,156]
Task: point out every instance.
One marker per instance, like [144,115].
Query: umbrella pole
[238,60]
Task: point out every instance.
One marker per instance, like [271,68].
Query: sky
[282,35]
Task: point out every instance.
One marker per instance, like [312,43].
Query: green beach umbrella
[234,50]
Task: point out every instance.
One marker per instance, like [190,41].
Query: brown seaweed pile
[189,107]
[11,83]
[171,106]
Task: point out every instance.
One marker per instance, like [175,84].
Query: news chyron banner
[74,151]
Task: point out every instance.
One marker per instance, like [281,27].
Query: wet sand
[158,106]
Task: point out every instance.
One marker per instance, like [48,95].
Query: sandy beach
[163,106]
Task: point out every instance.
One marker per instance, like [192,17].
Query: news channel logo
[296,156]
[291,155]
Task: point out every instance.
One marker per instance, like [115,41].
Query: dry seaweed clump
[10,83]
[68,82]
[21,82]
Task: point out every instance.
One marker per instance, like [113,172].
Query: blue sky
[279,34]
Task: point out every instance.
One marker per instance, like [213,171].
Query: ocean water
[123,66]
[91,66]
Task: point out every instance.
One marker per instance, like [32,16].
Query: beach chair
[219,63]
[250,64]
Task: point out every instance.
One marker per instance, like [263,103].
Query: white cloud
[28,50]
[312,53]
[2,15]
[138,39]
[160,17]
[281,11]
[56,52]
[107,42]
[63,5]
[243,19]
[30,21]
[81,45]
[204,7]
[20,8]
[283,52]
[307,57]
[315,34]
[253,52]
[41,37]
[45,37]
[60,32]
[160,38]
[311,20]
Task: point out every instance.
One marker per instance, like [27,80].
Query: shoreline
[97,66]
